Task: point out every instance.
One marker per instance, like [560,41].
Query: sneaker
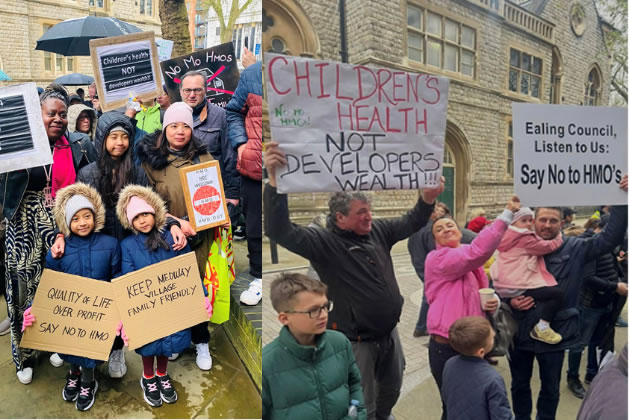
[151,391]
[167,391]
[5,326]
[25,375]
[116,365]
[253,294]
[86,396]
[548,336]
[71,390]
[238,233]
[173,357]
[420,333]
[576,388]
[204,360]
[621,323]
[55,360]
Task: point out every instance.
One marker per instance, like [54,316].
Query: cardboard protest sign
[569,155]
[23,138]
[352,127]
[124,64]
[205,198]
[73,315]
[160,299]
[219,66]
[164,47]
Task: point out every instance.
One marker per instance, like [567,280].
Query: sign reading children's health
[351,127]
[204,195]
[569,155]
[124,64]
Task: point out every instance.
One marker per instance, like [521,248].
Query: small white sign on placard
[204,195]
[352,127]
[568,155]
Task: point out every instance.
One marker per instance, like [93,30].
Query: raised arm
[535,245]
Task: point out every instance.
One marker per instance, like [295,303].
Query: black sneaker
[86,396]
[576,387]
[167,391]
[151,391]
[71,390]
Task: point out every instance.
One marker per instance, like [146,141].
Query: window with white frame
[146,7]
[525,73]
[56,63]
[97,3]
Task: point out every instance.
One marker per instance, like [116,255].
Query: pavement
[226,391]
[419,398]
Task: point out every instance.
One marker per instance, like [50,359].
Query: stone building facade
[23,22]
[494,52]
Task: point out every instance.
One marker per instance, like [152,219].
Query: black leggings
[550,298]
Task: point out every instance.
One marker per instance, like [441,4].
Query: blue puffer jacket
[135,256]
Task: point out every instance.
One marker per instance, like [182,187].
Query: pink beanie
[136,206]
[522,212]
[178,112]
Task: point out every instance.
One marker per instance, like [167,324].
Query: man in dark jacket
[566,264]
[353,258]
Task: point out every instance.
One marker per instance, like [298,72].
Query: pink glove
[27,319]
[121,332]
[209,308]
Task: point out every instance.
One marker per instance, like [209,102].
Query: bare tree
[227,18]
[615,12]
[174,17]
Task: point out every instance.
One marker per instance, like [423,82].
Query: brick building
[23,22]
[494,52]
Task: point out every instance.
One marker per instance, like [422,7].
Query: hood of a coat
[73,114]
[64,194]
[107,121]
[148,195]
[147,152]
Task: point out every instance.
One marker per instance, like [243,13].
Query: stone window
[509,163]
[438,41]
[592,88]
[97,3]
[146,7]
[525,73]
[55,63]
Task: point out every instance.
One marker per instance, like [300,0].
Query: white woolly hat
[75,203]
[523,211]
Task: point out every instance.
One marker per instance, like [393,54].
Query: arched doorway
[448,172]
[288,30]
[456,170]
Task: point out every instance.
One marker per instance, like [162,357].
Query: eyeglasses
[314,313]
[196,91]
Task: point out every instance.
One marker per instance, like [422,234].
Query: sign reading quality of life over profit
[124,64]
[569,155]
[351,127]
[73,315]
[205,198]
[23,138]
[160,299]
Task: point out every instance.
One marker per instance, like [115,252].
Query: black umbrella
[72,37]
[74,79]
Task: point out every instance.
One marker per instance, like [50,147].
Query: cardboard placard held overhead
[160,299]
[205,198]
[218,64]
[124,64]
[73,315]
[23,138]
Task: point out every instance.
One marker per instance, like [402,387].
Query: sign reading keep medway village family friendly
[569,155]
[352,127]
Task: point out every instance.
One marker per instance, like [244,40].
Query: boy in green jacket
[309,373]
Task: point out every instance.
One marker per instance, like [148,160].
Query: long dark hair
[155,240]
[109,185]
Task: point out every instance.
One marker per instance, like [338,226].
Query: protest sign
[124,64]
[160,299]
[352,127]
[164,47]
[23,138]
[205,198]
[218,65]
[73,315]
[567,155]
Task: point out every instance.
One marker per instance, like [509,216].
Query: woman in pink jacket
[453,276]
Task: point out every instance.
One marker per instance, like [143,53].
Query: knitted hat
[478,223]
[178,112]
[118,127]
[137,206]
[523,212]
[76,203]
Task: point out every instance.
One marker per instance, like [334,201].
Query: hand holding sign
[274,158]
[429,195]
[209,307]
[514,204]
[623,184]
[27,319]
[120,331]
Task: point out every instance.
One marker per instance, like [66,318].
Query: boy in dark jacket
[471,388]
[309,373]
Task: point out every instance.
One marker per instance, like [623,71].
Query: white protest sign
[567,155]
[352,127]
[165,48]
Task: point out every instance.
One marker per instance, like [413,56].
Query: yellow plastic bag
[219,274]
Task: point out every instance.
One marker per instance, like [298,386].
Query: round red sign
[206,200]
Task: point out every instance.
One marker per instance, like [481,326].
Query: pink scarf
[63,173]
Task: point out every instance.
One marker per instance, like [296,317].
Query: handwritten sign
[164,47]
[218,65]
[123,64]
[205,198]
[160,299]
[569,155]
[352,127]
[73,315]
[23,138]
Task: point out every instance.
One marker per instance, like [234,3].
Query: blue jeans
[593,323]
[550,372]
[424,309]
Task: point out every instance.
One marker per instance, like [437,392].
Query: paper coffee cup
[486,295]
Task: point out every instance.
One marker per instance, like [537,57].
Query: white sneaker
[55,360]
[5,326]
[204,360]
[253,294]
[25,375]
[173,356]
[116,364]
